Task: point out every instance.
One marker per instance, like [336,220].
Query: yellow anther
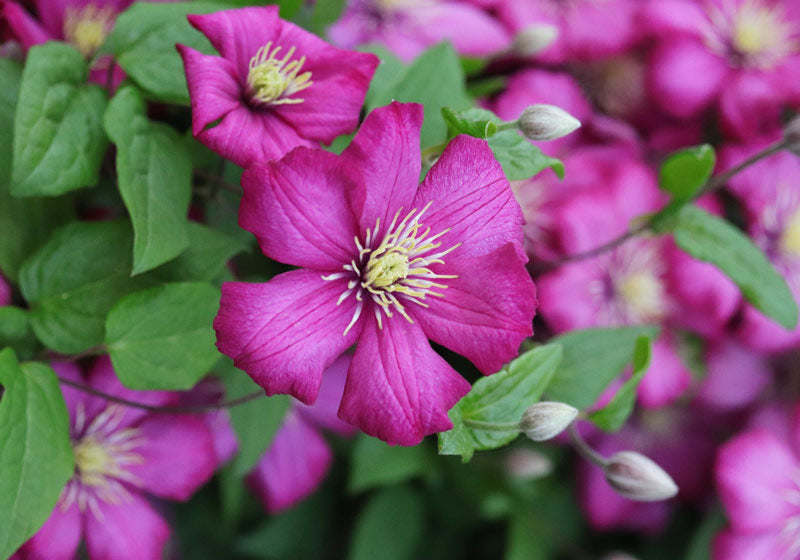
[87,27]
[274,80]
[790,237]
[643,292]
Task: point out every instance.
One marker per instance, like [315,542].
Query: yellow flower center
[93,461]
[274,80]
[790,238]
[386,270]
[643,292]
[87,27]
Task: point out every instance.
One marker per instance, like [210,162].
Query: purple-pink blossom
[385,263]
[273,87]
[122,455]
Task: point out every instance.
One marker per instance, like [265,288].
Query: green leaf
[16,332]
[389,527]
[24,222]
[479,123]
[521,159]
[162,338]
[435,79]
[375,463]
[499,399]
[255,422]
[592,359]
[209,250]
[612,416]
[711,239]
[36,453]
[74,279]
[143,43]
[154,169]
[385,76]
[685,173]
[325,13]
[58,138]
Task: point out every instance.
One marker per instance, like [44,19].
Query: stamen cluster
[87,27]
[274,80]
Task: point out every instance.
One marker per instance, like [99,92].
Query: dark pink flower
[5,291]
[122,454]
[273,87]
[407,27]
[385,263]
[299,458]
[735,377]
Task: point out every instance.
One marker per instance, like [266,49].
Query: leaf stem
[491,426]
[584,449]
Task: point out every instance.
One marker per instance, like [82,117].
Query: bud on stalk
[637,477]
[546,122]
[535,38]
[545,420]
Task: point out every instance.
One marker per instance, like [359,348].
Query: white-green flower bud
[637,477]
[535,38]
[545,420]
[528,464]
[546,122]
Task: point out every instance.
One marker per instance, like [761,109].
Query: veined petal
[486,312]
[472,198]
[386,151]
[730,545]
[298,209]
[177,455]
[293,467]
[58,538]
[398,389]
[323,412]
[286,332]
[127,531]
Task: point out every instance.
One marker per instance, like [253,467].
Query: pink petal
[666,379]
[750,105]
[668,17]
[386,152]
[542,86]
[566,301]
[178,455]
[735,377]
[471,197]
[128,531]
[472,31]
[298,209]
[617,19]
[246,136]
[323,413]
[398,389]
[761,333]
[214,87]
[754,472]
[293,467]
[685,76]
[23,27]
[486,312]
[732,545]
[58,538]
[286,332]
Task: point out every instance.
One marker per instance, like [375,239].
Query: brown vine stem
[711,185]
[165,409]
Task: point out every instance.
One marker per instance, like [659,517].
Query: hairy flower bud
[637,477]
[546,122]
[791,134]
[535,38]
[545,420]
[528,464]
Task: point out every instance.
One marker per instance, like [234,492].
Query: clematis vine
[273,87]
[386,264]
[121,455]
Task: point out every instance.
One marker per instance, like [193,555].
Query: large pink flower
[273,87]
[121,454]
[386,263]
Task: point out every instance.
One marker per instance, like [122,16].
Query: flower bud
[546,122]
[535,38]
[528,464]
[545,420]
[637,477]
[791,134]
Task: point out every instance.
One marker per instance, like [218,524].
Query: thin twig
[218,181]
[584,449]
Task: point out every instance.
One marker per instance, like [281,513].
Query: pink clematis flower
[273,87]
[121,455]
[757,476]
[387,264]
[407,27]
[299,458]
[742,56]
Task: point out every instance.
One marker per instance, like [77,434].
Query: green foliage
[143,43]
[34,445]
[162,338]
[74,279]
[684,173]
[208,252]
[16,332]
[325,13]
[499,399]
[592,359]
[711,239]
[389,527]
[375,463]
[612,416]
[58,137]
[479,123]
[154,170]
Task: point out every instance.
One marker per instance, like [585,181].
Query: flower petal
[486,312]
[472,31]
[58,538]
[299,211]
[177,454]
[127,531]
[293,467]
[323,412]
[398,389]
[731,545]
[471,197]
[23,27]
[386,152]
[667,377]
[286,332]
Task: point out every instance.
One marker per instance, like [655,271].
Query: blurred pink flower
[121,455]
[735,377]
[273,87]
[407,27]
[386,263]
[5,291]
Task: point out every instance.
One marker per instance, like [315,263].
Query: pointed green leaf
[521,159]
[375,463]
[479,123]
[209,250]
[685,173]
[389,527]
